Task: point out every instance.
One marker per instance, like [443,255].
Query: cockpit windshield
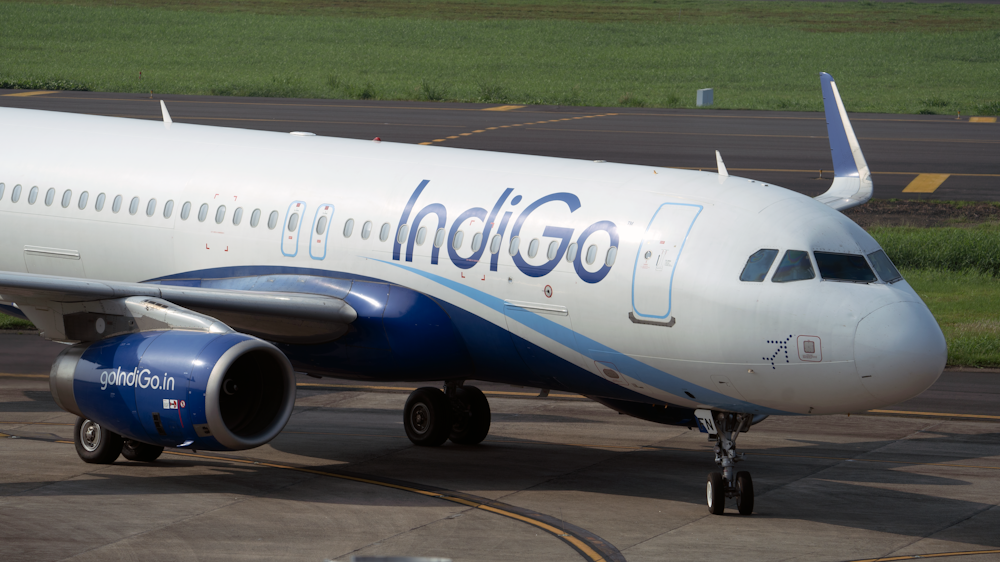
[884,267]
[794,266]
[758,265]
[844,267]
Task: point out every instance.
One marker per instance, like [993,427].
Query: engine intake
[209,391]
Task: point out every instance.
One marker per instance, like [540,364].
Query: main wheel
[138,451]
[716,492]
[95,444]
[744,501]
[473,416]
[427,417]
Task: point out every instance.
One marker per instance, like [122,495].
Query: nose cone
[899,351]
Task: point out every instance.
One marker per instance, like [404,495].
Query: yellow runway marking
[925,183]
[935,555]
[982,119]
[503,108]
[26,94]
[529,123]
[973,416]
[827,171]
[425,143]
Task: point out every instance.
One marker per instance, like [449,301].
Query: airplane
[193,271]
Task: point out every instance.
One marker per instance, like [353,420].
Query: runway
[911,156]
[559,478]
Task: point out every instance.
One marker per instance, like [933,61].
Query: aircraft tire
[715,489]
[139,451]
[744,501]
[427,417]
[95,444]
[474,424]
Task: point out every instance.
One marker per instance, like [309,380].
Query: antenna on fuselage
[722,165]
[166,114]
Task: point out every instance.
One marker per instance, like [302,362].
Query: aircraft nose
[899,351]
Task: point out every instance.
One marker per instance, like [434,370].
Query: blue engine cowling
[179,388]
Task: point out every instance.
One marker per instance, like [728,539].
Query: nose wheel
[726,427]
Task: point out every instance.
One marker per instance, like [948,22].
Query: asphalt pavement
[935,156]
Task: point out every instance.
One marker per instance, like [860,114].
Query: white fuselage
[677,327]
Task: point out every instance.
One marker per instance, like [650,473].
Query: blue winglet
[843,158]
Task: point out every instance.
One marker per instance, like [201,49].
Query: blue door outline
[324,210]
[290,240]
[680,251]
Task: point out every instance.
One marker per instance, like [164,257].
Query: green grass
[12,323]
[899,58]
[966,305]
[975,249]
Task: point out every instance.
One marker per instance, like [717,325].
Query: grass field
[901,58]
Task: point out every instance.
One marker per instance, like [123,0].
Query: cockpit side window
[758,265]
[884,267]
[794,266]
[844,267]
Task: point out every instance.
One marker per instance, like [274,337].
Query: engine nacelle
[175,388]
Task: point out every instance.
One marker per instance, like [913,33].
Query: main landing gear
[726,427]
[459,413]
[98,445]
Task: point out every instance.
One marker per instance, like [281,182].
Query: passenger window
[151,207]
[99,204]
[15,195]
[238,216]
[757,266]
[383,234]
[495,244]
[116,205]
[168,209]
[439,238]
[321,225]
[844,267]
[609,259]
[401,235]
[571,252]
[794,266]
[67,198]
[133,207]
[515,242]
[457,241]
[348,228]
[366,230]
[220,214]
[255,218]
[421,235]
[185,210]
[591,254]
[884,267]
[293,222]
[50,196]
[2,186]
[272,220]
[33,195]
[84,197]
[533,248]
[477,241]
[553,248]
[203,212]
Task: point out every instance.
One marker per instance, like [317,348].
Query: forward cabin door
[660,252]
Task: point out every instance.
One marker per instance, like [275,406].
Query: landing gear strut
[460,413]
[726,427]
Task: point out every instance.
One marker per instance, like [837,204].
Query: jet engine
[175,388]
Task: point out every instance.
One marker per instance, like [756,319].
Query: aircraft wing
[65,308]
[852,182]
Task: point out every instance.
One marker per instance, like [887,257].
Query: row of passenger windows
[796,266]
[294,219]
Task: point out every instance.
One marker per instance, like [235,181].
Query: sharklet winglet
[166,114]
[722,165]
[852,183]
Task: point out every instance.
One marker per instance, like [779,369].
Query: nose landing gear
[726,427]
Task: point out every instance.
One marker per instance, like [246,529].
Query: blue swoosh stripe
[575,341]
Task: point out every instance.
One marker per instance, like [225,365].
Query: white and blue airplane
[194,270]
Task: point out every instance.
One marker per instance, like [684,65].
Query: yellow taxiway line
[934,555]
[26,94]
[925,183]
